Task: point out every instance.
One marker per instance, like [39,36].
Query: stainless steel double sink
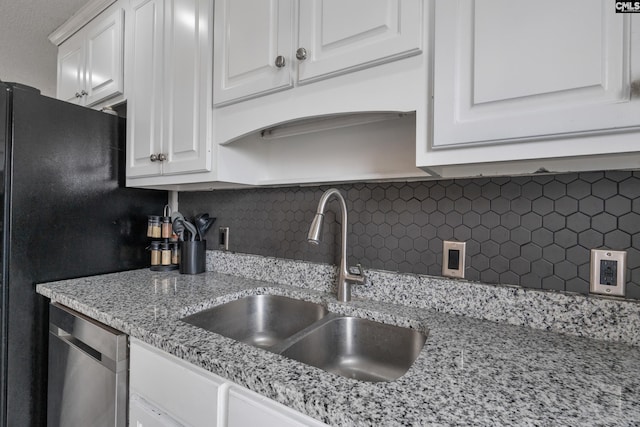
[307,332]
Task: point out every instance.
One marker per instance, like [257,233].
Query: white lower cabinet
[172,387]
[246,408]
[144,414]
[167,391]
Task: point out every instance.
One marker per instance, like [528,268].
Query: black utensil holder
[193,255]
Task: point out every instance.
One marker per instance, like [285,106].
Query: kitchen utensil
[203,223]
[183,224]
[175,215]
[198,222]
[190,228]
[208,225]
[178,228]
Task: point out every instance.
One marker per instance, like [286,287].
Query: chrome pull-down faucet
[345,277]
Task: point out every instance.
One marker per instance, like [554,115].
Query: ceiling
[25,51]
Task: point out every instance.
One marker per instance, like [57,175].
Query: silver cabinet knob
[301,54]
[162,157]
[280,62]
[78,95]
[153,157]
[84,93]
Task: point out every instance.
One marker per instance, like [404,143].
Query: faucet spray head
[315,231]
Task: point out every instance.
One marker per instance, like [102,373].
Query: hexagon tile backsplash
[530,231]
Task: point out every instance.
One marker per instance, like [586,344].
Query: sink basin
[348,346]
[359,348]
[260,320]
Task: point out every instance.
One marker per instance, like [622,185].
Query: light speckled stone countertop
[470,372]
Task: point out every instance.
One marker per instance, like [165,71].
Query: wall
[531,231]
[26,54]
[36,70]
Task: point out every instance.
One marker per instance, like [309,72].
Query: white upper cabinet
[299,87]
[339,36]
[90,62]
[507,70]
[252,45]
[265,46]
[169,91]
[104,57]
[71,70]
[145,23]
[187,85]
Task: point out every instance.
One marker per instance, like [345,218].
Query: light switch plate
[608,272]
[453,255]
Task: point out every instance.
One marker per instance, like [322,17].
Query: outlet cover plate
[604,257]
[223,238]
[453,253]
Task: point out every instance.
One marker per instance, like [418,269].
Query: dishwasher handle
[99,341]
[88,351]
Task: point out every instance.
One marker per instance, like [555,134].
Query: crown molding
[79,20]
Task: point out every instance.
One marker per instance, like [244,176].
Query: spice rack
[165,252]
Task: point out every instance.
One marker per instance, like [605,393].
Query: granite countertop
[470,371]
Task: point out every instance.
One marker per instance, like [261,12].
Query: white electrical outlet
[453,255]
[223,238]
[608,270]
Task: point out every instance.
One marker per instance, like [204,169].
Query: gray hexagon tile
[530,231]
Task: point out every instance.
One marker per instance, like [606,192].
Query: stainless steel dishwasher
[88,365]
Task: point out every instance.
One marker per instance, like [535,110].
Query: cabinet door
[249,37]
[172,388]
[71,70]
[143,414]
[516,69]
[341,36]
[104,57]
[246,408]
[144,86]
[187,87]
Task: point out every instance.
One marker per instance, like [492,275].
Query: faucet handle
[357,267]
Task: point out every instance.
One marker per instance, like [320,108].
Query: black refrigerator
[65,214]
